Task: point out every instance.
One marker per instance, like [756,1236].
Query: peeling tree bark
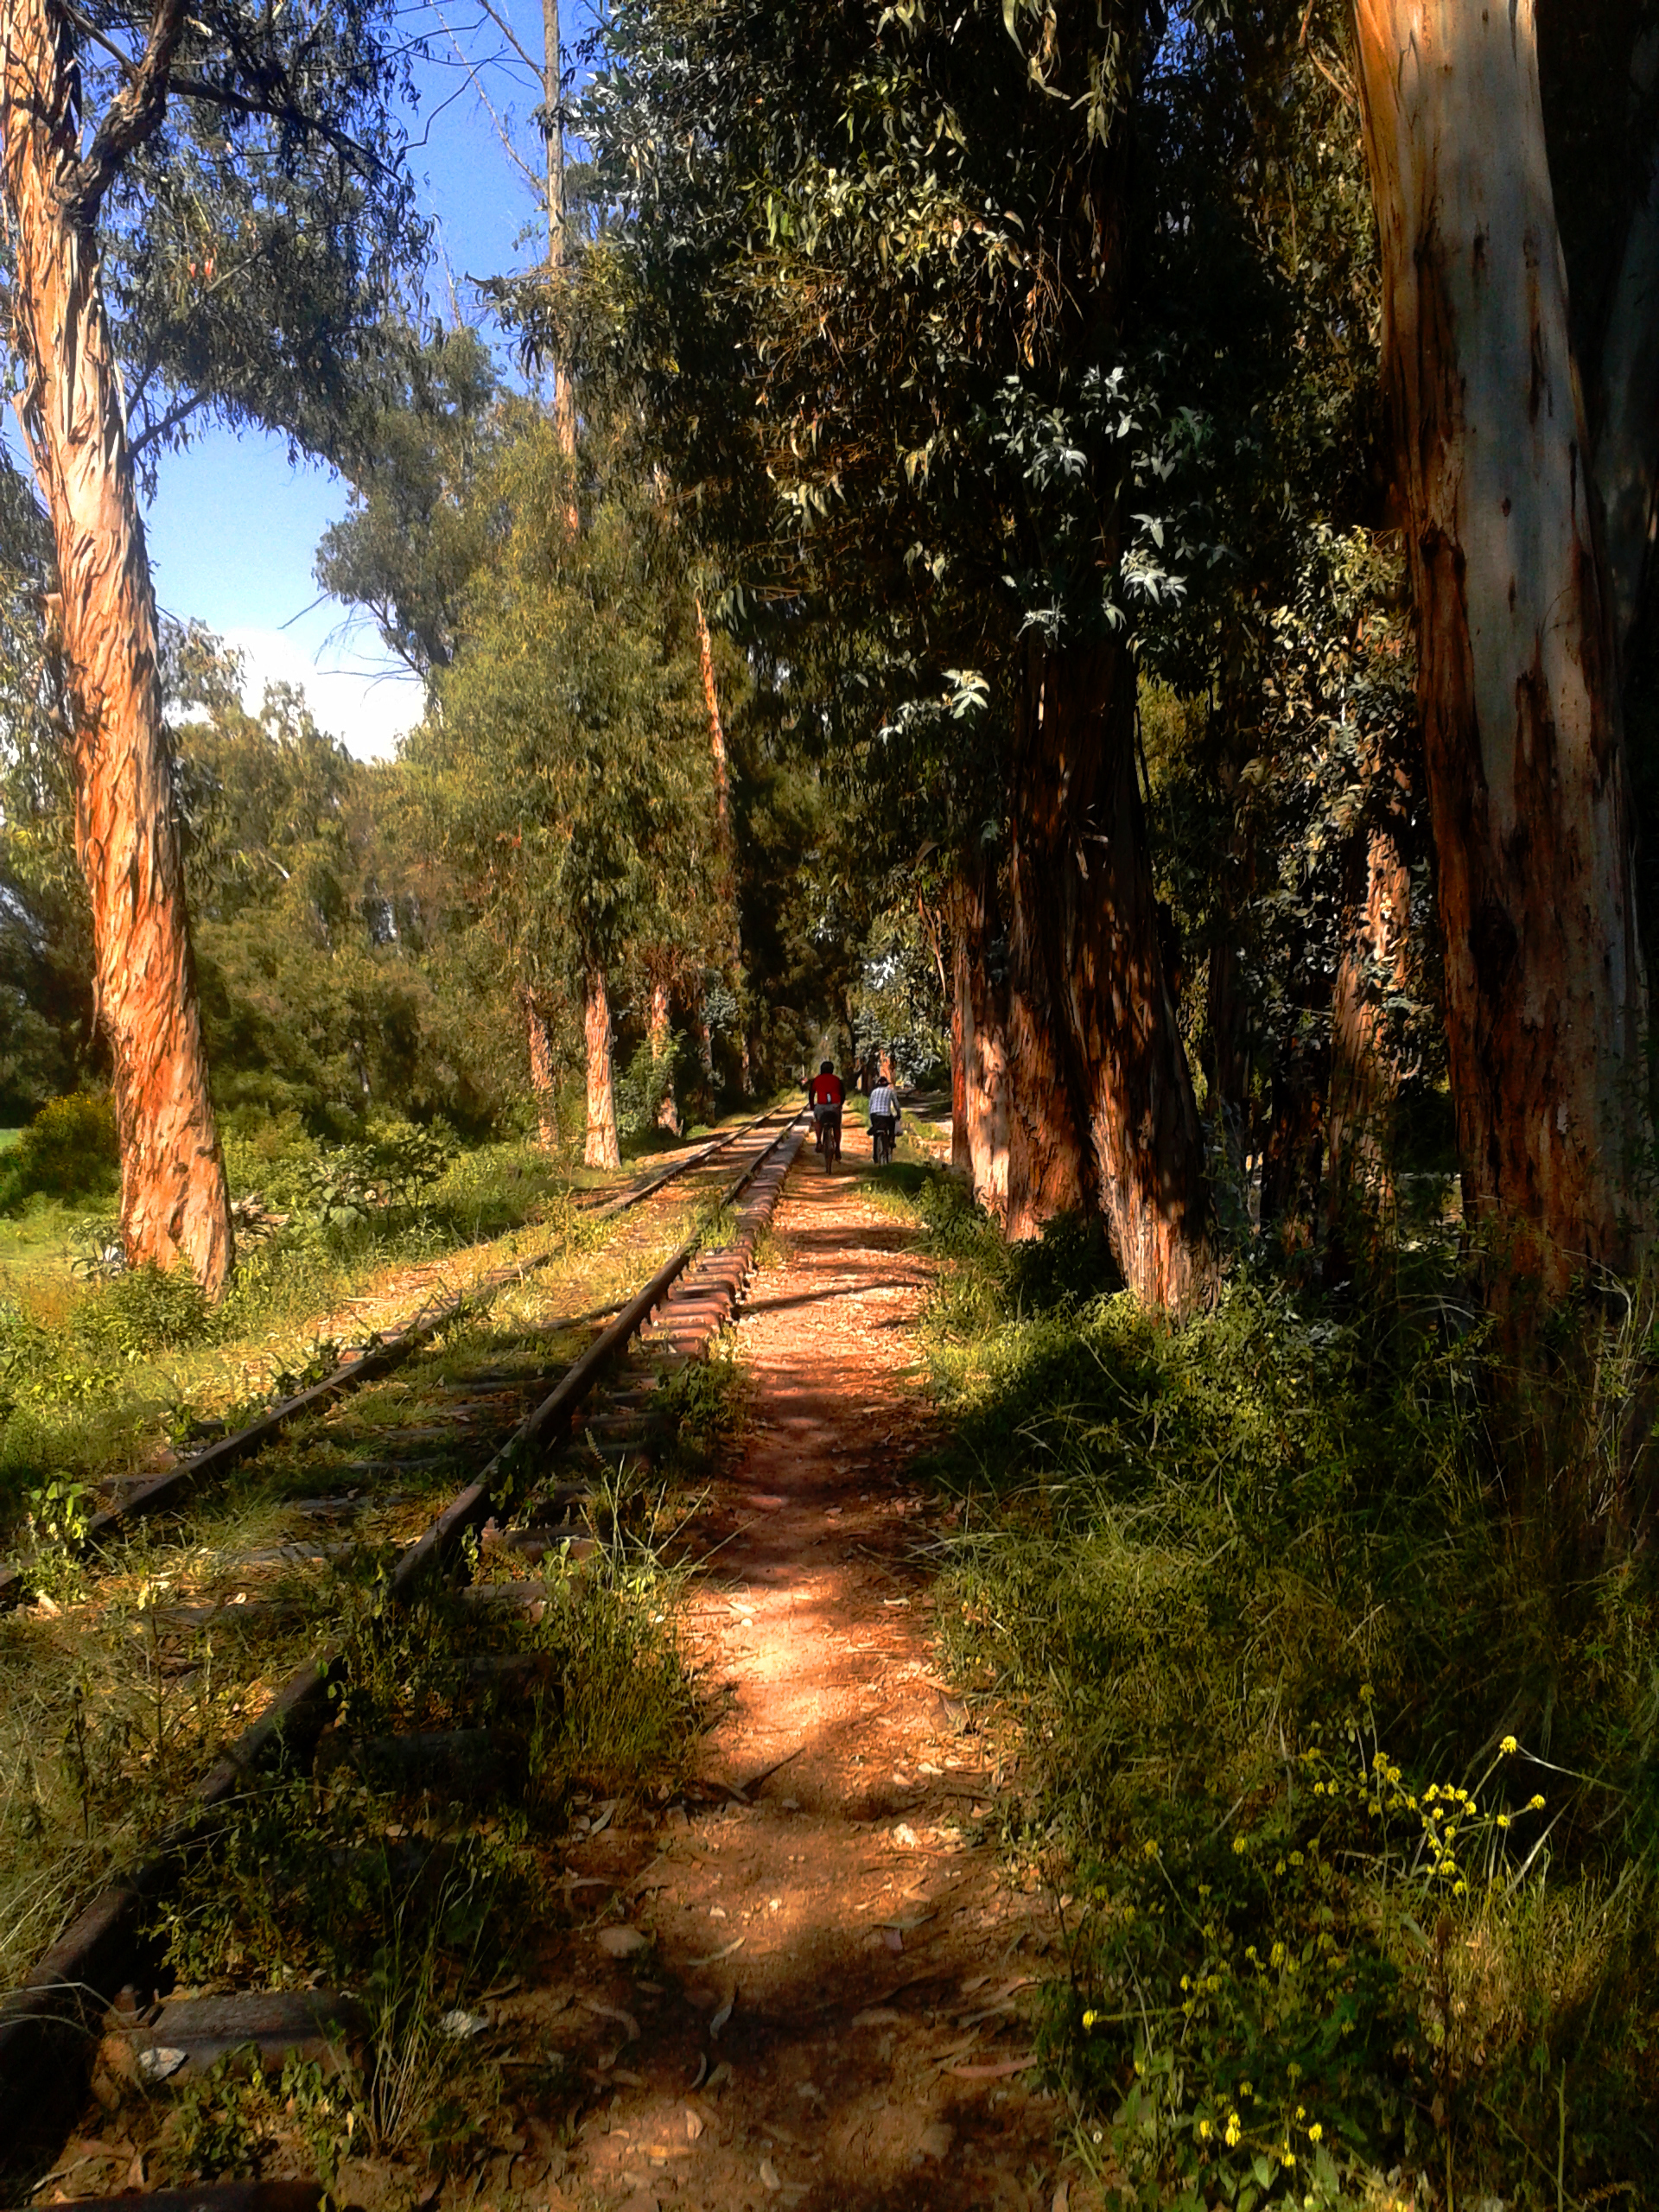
[979,1044]
[564,400]
[1100,1104]
[174,1207]
[601,1149]
[662,1049]
[541,1079]
[1545,993]
[1364,1065]
[726,842]
[959,1153]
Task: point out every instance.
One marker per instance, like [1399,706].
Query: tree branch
[505,27]
[180,413]
[225,96]
[198,88]
[475,74]
[131,116]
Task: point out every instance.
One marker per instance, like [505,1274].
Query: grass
[417,1891]
[1354,1789]
[100,1380]
[420,1901]
[107,1714]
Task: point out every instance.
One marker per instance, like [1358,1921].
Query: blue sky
[233,529]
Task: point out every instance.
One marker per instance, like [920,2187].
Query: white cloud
[370,709]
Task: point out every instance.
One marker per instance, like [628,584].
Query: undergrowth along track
[185,1625]
[165,1492]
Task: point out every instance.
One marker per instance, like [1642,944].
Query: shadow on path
[838,1964]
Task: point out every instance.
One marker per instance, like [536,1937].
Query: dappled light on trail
[837,2007]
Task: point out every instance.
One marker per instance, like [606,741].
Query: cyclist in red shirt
[825,1094]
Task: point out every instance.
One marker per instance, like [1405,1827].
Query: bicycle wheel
[831,1146]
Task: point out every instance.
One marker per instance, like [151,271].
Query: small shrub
[397,1164]
[57,1511]
[146,1310]
[69,1150]
[100,1251]
[270,1156]
[641,1087]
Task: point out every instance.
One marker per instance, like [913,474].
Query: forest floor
[799,1970]
[841,1918]
[827,2000]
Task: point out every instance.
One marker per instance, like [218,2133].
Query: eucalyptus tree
[1522,606]
[198,227]
[414,531]
[1285,769]
[867,269]
[566,771]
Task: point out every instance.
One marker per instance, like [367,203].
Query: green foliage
[249,245]
[643,1085]
[396,1164]
[567,777]
[57,1513]
[145,1310]
[900,1006]
[68,1150]
[415,532]
[1289,1695]
[336,981]
[222,2121]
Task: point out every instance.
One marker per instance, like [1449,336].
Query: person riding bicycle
[884,1119]
[824,1095]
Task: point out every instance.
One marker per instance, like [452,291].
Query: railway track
[216,1596]
[127,1504]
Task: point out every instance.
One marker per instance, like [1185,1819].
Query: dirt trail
[838,1958]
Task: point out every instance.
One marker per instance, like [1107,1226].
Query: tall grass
[1259,1604]
[97,1376]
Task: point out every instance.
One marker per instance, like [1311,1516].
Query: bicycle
[827,1140]
[882,1133]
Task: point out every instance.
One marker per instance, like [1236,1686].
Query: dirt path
[835,1963]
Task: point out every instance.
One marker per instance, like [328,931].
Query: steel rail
[167,1490]
[42,2021]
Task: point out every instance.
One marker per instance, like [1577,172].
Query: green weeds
[97,1375]
[1356,1791]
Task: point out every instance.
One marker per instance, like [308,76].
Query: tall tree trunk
[564,400]
[662,1053]
[960,1157]
[601,1149]
[716,731]
[542,1080]
[1364,1059]
[1545,994]
[174,1203]
[1294,1147]
[979,1038]
[1101,1109]
[705,1045]
[1627,436]
[726,879]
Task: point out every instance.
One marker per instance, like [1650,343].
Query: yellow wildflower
[1509,1747]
